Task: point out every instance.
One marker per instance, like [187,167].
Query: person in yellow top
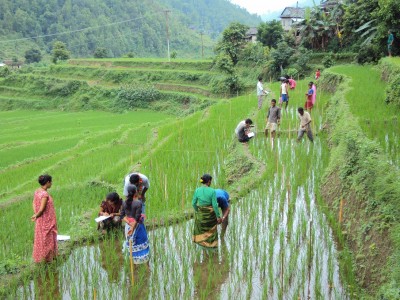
[207,215]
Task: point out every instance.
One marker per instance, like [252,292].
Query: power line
[78,30]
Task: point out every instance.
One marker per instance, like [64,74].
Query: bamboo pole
[341,211]
[131,260]
[94,294]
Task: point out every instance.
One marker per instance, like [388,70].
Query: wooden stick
[131,260]
[341,211]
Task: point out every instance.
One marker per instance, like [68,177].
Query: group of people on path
[243,129]
[115,212]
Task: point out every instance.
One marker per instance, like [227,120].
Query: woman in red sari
[45,243]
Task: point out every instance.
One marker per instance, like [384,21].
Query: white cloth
[284,88]
[260,89]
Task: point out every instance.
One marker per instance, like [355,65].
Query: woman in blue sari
[135,231]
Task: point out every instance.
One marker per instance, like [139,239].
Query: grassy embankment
[362,176]
[180,87]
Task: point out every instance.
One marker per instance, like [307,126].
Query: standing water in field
[278,245]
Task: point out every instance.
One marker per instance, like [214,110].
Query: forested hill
[143,33]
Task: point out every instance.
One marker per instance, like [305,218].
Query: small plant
[328,61]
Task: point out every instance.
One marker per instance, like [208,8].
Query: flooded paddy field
[278,244]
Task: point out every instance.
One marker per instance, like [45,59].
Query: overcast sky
[261,7]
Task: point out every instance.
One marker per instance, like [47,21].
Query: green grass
[367,103]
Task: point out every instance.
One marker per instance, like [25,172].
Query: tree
[100,53]
[33,55]
[233,41]
[60,52]
[281,57]
[270,33]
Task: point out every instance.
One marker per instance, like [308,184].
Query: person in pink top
[292,83]
[317,74]
[45,242]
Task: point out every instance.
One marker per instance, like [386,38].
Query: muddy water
[278,246]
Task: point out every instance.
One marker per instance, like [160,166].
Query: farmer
[207,215]
[317,74]
[243,129]
[292,83]
[135,231]
[141,182]
[305,125]
[390,42]
[284,92]
[45,241]
[260,92]
[110,207]
[273,119]
[309,97]
[223,203]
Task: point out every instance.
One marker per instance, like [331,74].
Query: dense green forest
[120,26]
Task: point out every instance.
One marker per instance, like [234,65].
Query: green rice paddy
[279,244]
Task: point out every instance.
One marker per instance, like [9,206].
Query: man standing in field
[273,119]
[284,92]
[305,125]
[390,42]
[242,131]
[141,182]
[260,92]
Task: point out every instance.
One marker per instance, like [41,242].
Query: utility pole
[166,18]
[202,45]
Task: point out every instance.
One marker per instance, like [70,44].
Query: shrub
[328,61]
[292,72]
[393,91]
[4,71]
[369,54]
[100,53]
[227,85]
[129,97]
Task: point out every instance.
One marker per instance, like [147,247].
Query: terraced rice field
[279,244]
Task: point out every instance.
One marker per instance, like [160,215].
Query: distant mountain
[120,26]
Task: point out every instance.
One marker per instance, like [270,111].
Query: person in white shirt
[284,92]
[242,130]
[260,92]
[305,125]
[140,181]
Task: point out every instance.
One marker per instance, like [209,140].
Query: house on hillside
[251,35]
[291,16]
[326,5]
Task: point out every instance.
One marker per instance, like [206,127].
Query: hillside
[120,26]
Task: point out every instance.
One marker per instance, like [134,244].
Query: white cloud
[261,7]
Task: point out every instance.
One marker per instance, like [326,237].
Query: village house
[251,35]
[291,16]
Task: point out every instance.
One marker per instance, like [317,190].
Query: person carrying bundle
[207,215]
